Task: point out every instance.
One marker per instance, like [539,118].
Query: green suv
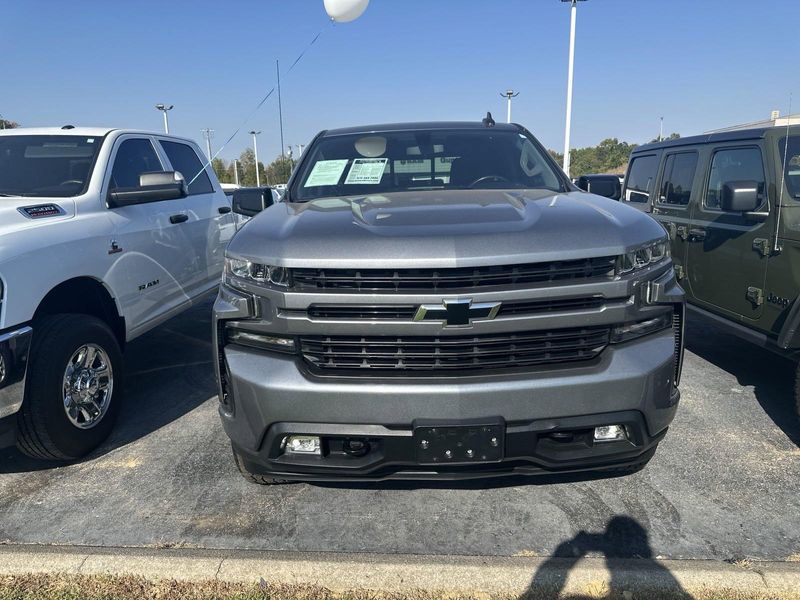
[731,205]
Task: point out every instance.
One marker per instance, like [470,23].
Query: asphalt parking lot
[723,485]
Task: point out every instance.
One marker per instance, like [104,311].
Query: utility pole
[509,94]
[280,108]
[254,133]
[661,129]
[164,109]
[570,71]
[208,134]
[235,171]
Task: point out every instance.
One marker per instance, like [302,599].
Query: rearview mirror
[251,201]
[740,196]
[153,187]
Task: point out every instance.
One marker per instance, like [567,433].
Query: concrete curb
[400,573]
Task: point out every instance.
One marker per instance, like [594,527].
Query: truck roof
[722,136]
[385,127]
[82,131]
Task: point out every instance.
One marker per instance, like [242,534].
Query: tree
[672,136]
[279,170]
[223,170]
[6,124]
[247,171]
[557,156]
[609,156]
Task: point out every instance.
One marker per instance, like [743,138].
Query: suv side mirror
[251,201]
[608,188]
[740,196]
[153,187]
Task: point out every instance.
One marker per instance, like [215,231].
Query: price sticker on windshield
[326,172]
[366,170]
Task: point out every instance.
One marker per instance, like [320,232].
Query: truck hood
[443,228]
[13,218]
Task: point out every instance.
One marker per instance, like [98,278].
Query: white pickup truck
[104,234]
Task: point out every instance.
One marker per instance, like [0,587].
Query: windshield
[359,164]
[46,165]
[792,174]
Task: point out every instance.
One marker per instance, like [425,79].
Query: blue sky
[701,64]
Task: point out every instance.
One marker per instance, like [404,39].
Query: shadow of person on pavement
[626,548]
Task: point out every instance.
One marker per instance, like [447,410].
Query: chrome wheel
[3,368]
[88,385]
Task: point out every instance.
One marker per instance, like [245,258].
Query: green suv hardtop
[730,202]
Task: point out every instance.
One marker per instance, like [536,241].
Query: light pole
[208,134]
[164,108]
[235,171]
[661,129]
[509,94]
[573,15]
[254,133]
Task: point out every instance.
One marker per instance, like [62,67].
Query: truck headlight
[247,271]
[644,256]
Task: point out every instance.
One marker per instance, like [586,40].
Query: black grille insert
[451,278]
[491,351]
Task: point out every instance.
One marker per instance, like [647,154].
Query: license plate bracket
[459,442]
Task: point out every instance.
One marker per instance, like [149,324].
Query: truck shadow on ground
[168,373]
[629,559]
[771,376]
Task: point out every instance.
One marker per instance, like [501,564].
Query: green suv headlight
[239,269]
[644,256]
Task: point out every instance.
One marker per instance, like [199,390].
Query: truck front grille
[416,353]
[451,278]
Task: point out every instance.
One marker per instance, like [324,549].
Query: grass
[83,587]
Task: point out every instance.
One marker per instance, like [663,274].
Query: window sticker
[366,170]
[326,172]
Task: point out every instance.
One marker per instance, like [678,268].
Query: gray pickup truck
[438,300]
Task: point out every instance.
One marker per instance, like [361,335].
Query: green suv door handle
[696,234]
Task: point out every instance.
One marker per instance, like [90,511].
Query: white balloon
[343,11]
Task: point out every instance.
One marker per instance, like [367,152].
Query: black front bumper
[546,446]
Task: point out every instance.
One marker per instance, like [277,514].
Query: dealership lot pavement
[722,486]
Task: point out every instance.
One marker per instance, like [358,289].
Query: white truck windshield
[56,166]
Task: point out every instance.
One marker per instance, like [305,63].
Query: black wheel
[74,386]
[254,477]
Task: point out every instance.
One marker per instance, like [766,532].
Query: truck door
[210,224]
[150,242]
[671,206]
[727,253]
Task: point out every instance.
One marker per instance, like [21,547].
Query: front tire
[74,386]
[255,477]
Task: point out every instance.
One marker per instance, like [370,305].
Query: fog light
[610,433]
[303,444]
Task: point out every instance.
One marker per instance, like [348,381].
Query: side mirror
[608,188]
[153,187]
[740,196]
[251,201]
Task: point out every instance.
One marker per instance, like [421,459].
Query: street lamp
[254,133]
[574,11]
[208,134]
[509,94]
[164,108]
